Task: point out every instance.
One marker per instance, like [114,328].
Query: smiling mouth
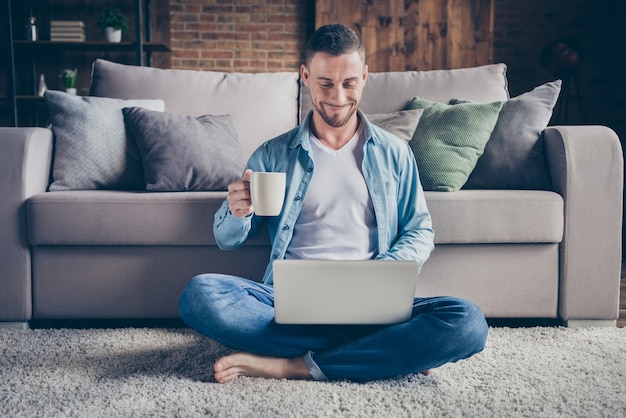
[336,108]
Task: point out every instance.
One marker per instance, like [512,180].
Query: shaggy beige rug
[523,372]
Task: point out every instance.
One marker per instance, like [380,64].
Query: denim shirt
[403,223]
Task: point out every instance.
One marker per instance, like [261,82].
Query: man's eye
[326,85]
[350,85]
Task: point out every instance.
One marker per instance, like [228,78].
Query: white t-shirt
[337,219]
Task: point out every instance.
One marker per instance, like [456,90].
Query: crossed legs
[239,314]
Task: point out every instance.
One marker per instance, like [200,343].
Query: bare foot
[426,372]
[234,365]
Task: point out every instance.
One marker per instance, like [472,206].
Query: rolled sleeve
[230,231]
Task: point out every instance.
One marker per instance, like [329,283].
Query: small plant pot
[71,90]
[112,34]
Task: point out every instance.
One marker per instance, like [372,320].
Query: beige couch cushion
[496,216]
[122,218]
[104,217]
[261,105]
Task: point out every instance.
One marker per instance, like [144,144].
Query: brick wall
[240,35]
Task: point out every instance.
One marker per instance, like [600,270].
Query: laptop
[344,292]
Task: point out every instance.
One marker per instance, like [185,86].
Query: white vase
[112,34]
[71,90]
[42,86]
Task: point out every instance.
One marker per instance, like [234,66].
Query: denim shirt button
[286,228]
[274,256]
[297,198]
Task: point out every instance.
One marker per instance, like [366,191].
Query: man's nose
[339,94]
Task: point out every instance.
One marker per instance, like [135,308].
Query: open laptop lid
[344,292]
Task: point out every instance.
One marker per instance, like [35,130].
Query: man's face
[336,84]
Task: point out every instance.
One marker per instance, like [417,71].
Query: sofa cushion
[496,216]
[449,139]
[91,149]
[106,217]
[262,105]
[514,157]
[143,218]
[391,91]
[183,153]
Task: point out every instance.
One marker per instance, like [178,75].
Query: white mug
[267,192]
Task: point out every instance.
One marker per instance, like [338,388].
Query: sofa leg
[14,325]
[587,323]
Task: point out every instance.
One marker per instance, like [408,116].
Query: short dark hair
[335,39]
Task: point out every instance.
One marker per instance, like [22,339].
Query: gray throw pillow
[514,156]
[401,123]
[184,153]
[91,150]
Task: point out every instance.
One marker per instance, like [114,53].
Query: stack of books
[67,31]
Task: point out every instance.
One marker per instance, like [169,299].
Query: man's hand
[238,197]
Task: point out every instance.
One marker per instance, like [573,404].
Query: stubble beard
[334,122]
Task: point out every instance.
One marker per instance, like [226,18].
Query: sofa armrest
[25,155]
[587,168]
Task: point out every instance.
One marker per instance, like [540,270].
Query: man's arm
[414,238]
[234,222]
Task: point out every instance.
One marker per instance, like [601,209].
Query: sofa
[544,248]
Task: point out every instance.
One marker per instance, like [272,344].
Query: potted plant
[69,78]
[113,22]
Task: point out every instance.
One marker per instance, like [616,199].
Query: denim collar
[302,135]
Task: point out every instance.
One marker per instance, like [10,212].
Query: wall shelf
[28,59]
[89,46]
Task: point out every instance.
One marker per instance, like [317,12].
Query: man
[354,193]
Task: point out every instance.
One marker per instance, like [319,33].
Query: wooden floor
[621,322]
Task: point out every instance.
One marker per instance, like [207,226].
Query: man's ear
[304,74]
[365,73]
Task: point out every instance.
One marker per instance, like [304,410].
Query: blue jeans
[239,313]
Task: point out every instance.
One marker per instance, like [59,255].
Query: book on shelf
[66,32]
[67,39]
[67,24]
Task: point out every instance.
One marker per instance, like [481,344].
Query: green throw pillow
[449,140]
